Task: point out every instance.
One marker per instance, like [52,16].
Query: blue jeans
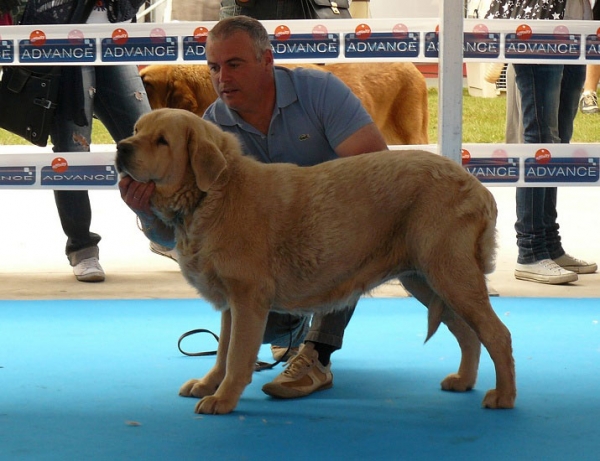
[116,96]
[549,97]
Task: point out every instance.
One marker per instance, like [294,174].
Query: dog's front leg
[248,324]
[211,381]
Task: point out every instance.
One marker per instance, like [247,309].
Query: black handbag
[326,9]
[28,96]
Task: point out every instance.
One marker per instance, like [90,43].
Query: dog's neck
[173,208]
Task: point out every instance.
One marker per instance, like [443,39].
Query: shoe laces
[589,98]
[89,264]
[550,264]
[298,365]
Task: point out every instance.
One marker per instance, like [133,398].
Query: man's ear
[207,161]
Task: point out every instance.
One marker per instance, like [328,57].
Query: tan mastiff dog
[253,237]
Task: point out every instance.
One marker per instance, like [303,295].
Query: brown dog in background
[394,94]
[252,237]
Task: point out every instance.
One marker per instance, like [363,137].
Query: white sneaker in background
[544,271]
[89,270]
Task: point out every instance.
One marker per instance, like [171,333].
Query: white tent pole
[450,82]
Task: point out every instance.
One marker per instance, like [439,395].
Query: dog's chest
[201,274]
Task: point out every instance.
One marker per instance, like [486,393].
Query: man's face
[238,77]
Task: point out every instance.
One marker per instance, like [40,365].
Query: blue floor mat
[98,380]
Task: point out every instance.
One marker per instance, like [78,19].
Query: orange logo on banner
[319,32]
[75,37]
[60,165]
[499,153]
[282,33]
[37,37]
[524,32]
[598,33]
[157,35]
[400,31]
[200,34]
[543,156]
[480,29]
[466,156]
[362,31]
[561,30]
[120,36]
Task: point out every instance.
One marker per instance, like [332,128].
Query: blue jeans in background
[549,97]
[116,96]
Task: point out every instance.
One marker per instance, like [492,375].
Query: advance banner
[495,165]
[414,40]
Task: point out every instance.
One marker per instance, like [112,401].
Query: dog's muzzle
[124,155]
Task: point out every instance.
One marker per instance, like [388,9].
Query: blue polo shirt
[313,114]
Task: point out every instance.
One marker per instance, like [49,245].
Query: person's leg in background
[572,82]
[588,101]
[538,88]
[73,207]
[541,256]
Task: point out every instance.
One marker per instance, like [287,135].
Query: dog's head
[175,149]
[178,86]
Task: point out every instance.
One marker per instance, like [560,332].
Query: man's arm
[366,139]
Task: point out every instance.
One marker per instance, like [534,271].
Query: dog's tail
[487,243]
[434,316]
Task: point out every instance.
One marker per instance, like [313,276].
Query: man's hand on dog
[137,195]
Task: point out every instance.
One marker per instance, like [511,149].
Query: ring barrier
[297,41]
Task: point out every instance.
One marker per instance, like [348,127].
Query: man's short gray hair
[253,28]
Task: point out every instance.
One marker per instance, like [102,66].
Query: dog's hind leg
[464,379]
[465,292]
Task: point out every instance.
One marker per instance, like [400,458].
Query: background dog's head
[172,148]
[178,86]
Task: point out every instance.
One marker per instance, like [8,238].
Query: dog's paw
[457,383]
[197,388]
[494,400]
[213,405]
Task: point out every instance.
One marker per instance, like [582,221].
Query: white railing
[355,40]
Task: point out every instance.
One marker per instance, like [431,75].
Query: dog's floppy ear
[208,162]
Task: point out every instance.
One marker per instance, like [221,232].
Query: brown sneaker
[303,375]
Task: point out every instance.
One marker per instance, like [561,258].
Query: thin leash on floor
[258,366]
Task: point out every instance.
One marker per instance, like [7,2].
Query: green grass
[483,122]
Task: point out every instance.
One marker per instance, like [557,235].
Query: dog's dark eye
[162,141]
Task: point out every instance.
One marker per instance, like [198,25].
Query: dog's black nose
[124,153]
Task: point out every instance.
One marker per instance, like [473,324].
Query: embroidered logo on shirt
[303,137]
